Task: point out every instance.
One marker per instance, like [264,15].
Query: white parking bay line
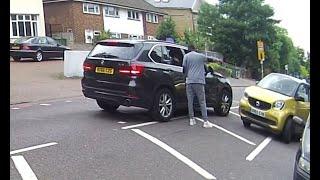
[234,113]
[45,104]
[235,107]
[229,132]
[23,168]
[139,125]
[175,153]
[32,148]
[255,152]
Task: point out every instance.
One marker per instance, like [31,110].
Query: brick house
[80,20]
[183,12]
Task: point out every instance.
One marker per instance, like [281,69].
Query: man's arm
[184,65]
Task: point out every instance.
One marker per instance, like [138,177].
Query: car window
[176,55]
[51,41]
[304,92]
[42,40]
[166,57]
[156,54]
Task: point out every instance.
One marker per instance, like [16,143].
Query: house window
[111,11]
[148,17]
[116,35]
[152,18]
[91,8]
[24,25]
[134,15]
[155,18]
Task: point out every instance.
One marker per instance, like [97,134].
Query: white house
[26,18]
[123,21]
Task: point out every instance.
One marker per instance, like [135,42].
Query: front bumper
[273,120]
[299,174]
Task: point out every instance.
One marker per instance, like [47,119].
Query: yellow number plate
[104,70]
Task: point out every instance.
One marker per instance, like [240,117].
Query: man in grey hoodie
[194,69]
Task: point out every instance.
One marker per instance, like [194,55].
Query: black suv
[146,74]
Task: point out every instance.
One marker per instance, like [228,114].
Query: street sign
[261,54]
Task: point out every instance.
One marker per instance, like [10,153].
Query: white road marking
[229,132]
[255,152]
[175,153]
[234,107]
[68,101]
[234,113]
[15,108]
[23,168]
[32,148]
[45,104]
[139,125]
[121,122]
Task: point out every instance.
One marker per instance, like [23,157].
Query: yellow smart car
[273,102]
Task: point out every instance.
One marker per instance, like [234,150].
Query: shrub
[220,69]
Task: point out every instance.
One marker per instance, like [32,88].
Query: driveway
[36,81]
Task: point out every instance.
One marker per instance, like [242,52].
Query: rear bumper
[117,97]
[23,53]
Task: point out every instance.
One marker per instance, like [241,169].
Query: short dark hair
[191,47]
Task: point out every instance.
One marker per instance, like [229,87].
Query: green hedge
[220,69]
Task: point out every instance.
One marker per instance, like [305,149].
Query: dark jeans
[196,90]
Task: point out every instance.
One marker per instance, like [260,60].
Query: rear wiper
[105,55]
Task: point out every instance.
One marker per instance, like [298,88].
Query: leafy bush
[220,69]
[102,36]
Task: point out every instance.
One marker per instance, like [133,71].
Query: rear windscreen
[116,50]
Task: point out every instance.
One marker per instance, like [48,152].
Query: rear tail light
[25,47]
[133,70]
[88,67]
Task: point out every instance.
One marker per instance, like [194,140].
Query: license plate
[15,47]
[104,70]
[257,112]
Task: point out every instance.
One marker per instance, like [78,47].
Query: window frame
[96,8]
[133,15]
[107,12]
[15,22]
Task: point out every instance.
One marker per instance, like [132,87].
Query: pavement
[33,81]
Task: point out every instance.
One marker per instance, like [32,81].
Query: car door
[303,106]
[43,46]
[53,47]
[175,56]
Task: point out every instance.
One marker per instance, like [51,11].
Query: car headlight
[304,164]
[278,105]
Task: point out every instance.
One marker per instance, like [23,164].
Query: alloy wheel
[225,106]
[165,105]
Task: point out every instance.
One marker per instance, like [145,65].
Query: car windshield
[279,84]
[114,50]
[23,39]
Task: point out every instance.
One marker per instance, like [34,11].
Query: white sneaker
[207,124]
[192,122]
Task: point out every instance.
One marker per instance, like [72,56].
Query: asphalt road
[88,143]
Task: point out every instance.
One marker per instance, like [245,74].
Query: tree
[102,36]
[194,38]
[236,27]
[166,29]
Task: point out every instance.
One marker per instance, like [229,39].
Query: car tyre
[39,56]
[107,106]
[224,104]
[287,131]
[163,106]
[16,59]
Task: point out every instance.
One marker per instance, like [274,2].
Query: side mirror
[299,120]
[299,98]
